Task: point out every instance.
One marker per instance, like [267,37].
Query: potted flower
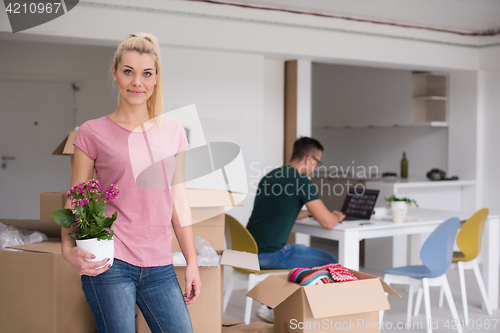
[93,233]
[399,207]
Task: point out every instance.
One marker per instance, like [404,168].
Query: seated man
[278,202]
[280,197]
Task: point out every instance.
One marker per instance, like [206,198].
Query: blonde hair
[145,43]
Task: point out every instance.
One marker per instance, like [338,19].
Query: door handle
[5,158]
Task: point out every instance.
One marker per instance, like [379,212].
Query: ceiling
[464,16]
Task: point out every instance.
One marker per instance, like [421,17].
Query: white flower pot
[399,209]
[102,249]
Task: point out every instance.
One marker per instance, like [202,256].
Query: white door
[34,118]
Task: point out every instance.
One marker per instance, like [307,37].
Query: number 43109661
[32,8]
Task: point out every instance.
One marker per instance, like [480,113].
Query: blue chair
[436,255]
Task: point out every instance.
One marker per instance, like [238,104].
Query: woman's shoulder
[94,123]
[171,124]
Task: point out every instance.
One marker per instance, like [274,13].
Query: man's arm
[303,214]
[326,218]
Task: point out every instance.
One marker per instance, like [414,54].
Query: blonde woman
[142,272]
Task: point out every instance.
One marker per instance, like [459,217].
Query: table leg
[349,250]
[399,250]
[302,239]
[490,253]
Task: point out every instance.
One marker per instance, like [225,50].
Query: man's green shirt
[279,198]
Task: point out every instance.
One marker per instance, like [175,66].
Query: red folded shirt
[338,272]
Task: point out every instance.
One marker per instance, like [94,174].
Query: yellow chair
[242,240]
[469,242]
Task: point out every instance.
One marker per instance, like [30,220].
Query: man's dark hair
[305,146]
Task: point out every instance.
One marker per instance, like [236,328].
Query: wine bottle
[404,166]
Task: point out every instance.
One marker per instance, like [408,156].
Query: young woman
[142,272]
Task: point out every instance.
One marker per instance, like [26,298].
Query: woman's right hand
[76,257]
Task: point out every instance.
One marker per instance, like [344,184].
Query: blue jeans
[112,297]
[295,255]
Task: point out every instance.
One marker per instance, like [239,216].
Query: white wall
[228,90]
[462,139]
[274,114]
[383,148]
[360,97]
[46,63]
[489,124]
[87,66]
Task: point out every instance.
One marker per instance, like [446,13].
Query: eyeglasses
[317,161]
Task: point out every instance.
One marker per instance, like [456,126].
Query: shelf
[420,124]
[431,98]
[426,74]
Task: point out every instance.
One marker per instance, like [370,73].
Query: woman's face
[136,77]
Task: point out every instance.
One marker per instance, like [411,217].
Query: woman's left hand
[193,284]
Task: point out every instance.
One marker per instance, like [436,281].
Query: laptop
[359,205]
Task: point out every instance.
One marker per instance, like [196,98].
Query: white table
[350,233]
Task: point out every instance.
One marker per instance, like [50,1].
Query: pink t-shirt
[139,163]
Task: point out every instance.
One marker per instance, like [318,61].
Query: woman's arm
[181,222]
[83,168]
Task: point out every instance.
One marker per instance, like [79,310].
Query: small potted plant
[399,207]
[94,232]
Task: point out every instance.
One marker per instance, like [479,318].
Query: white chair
[436,255]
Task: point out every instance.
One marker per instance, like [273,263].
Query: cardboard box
[40,291]
[49,202]
[344,306]
[233,326]
[66,148]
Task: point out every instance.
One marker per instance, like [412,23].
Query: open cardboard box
[343,306]
[66,148]
[40,291]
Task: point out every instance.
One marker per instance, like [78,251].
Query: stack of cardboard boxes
[41,292]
